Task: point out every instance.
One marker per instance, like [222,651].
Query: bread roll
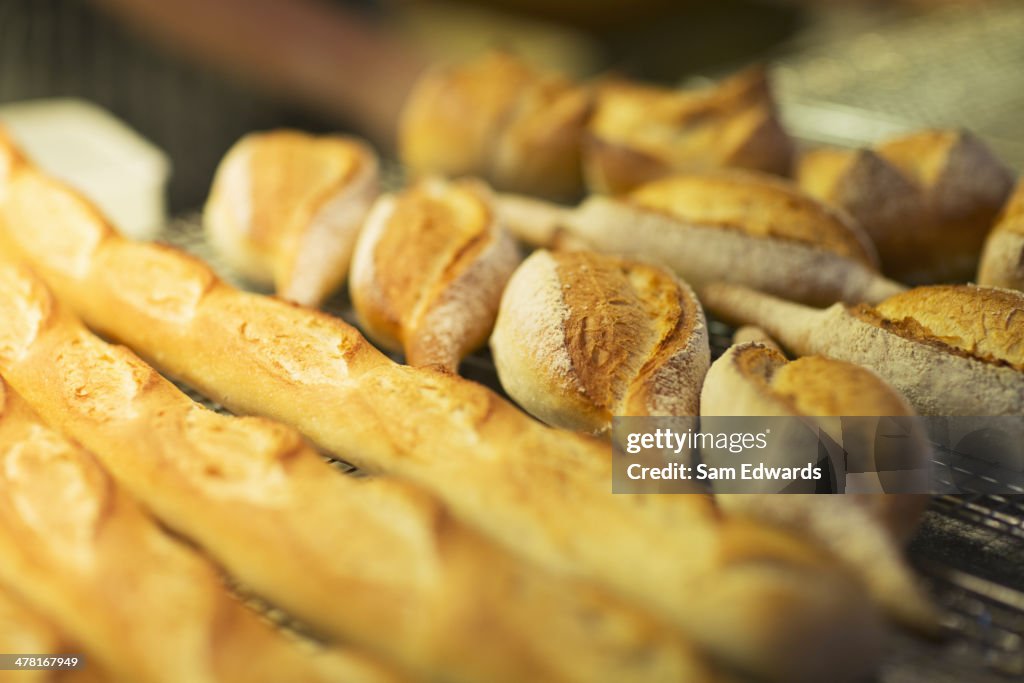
[864,530]
[286,207]
[146,607]
[752,596]
[753,333]
[429,269]
[639,133]
[501,119]
[926,199]
[1002,261]
[582,337]
[736,227]
[949,349]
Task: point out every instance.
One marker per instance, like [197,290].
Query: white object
[97,154]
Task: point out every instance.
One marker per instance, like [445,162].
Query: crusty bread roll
[753,333]
[1002,261]
[429,269]
[582,337]
[949,349]
[638,133]
[499,118]
[286,207]
[145,606]
[926,199]
[754,597]
[864,530]
[735,227]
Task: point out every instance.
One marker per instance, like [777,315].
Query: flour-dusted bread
[286,207]
[949,349]
[865,530]
[146,607]
[640,132]
[499,118]
[755,597]
[429,269]
[583,337]
[1002,261]
[926,199]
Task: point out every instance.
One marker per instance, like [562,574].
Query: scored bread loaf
[926,199]
[499,118]
[583,336]
[949,349]
[726,226]
[373,562]
[1002,261]
[864,530]
[759,599]
[145,606]
[638,133]
[286,207]
[429,269]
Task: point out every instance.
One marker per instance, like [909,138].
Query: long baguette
[372,561]
[756,598]
[144,605]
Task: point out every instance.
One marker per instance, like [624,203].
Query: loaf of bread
[429,269]
[23,630]
[638,133]
[1002,261]
[286,207]
[738,227]
[582,337]
[145,606]
[926,199]
[949,349]
[864,530]
[755,597]
[499,118]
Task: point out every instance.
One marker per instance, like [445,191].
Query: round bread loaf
[1002,261]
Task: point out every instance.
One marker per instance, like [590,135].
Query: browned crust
[1011,219]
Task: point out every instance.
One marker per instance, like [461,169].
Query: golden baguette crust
[750,595]
[429,269]
[1002,261]
[639,133]
[146,607]
[582,337]
[286,207]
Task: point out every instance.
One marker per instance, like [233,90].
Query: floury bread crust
[286,207]
[968,365]
[145,606]
[582,337]
[1002,261]
[754,597]
[429,269]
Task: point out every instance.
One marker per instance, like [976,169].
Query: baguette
[375,562]
[1002,261]
[639,133]
[286,207]
[864,530]
[145,606]
[752,596]
[926,199]
[429,269]
[950,350]
[582,337]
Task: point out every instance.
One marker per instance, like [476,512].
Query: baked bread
[864,530]
[144,606]
[640,132]
[1002,261]
[735,227]
[429,269]
[926,199]
[583,336]
[754,597]
[286,207]
[949,349]
[753,333]
[499,118]
[24,630]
